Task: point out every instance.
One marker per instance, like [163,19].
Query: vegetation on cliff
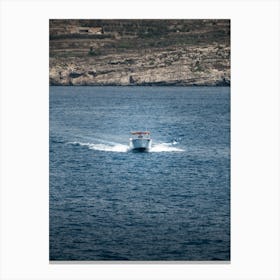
[139,52]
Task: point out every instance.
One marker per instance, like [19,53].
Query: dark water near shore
[108,203]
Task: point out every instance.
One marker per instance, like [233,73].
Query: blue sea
[107,203]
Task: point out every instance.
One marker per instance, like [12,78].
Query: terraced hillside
[139,52]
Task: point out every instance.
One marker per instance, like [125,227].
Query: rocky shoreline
[126,60]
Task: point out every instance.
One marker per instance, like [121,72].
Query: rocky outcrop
[207,65]
[140,52]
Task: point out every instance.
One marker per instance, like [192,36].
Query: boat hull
[141,145]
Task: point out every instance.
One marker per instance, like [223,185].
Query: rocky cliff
[135,52]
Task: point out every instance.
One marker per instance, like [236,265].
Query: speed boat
[140,141]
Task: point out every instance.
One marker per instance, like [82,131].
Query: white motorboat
[140,141]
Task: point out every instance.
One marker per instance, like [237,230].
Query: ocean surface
[109,203]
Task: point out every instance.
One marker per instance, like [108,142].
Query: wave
[118,148]
[121,148]
[165,147]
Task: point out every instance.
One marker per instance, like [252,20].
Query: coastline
[227,84]
[139,53]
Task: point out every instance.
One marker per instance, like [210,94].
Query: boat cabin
[141,134]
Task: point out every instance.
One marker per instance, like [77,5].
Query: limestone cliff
[199,55]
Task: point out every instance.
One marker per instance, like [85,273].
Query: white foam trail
[120,148]
[165,147]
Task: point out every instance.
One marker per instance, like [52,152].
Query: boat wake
[165,147]
[120,148]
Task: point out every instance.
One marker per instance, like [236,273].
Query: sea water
[109,203]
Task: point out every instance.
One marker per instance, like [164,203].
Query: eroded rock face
[140,52]
[204,65]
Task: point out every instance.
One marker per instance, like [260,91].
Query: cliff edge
[139,52]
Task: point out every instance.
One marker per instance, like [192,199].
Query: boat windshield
[140,133]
